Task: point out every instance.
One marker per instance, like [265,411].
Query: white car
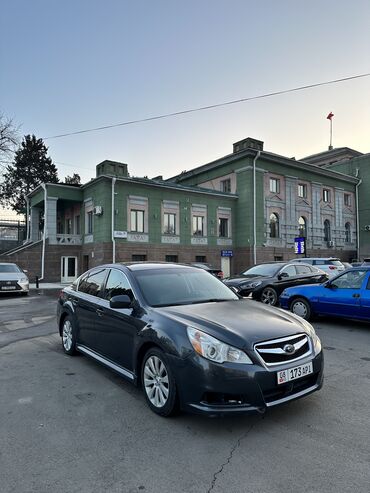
[13,279]
[331,265]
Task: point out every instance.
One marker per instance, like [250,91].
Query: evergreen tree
[31,167]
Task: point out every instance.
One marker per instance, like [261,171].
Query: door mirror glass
[120,301]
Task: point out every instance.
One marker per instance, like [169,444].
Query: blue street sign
[226,253]
[300,245]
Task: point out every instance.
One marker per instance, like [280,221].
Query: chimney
[111,168]
[248,143]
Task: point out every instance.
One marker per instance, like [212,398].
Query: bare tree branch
[9,138]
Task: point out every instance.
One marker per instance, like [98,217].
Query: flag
[330,116]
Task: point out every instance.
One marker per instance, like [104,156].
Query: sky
[76,64]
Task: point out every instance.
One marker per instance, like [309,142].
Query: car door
[365,299]
[117,327]
[342,295]
[87,303]
[287,277]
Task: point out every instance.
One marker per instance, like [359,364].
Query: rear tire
[158,383]
[302,308]
[269,296]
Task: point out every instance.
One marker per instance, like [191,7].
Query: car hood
[240,323]
[11,276]
[245,279]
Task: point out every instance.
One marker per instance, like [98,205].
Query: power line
[203,108]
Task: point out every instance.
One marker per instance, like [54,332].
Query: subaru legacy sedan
[188,340]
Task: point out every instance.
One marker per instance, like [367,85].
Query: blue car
[346,295]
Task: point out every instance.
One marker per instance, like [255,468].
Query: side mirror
[120,301]
[329,285]
[283,275]
[25,271]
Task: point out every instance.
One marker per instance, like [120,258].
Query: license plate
[7,288]
[285,376]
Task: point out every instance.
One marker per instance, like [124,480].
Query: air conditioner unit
[331,243]
[98,210]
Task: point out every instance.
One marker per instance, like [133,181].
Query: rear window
[338,263]
[303,269]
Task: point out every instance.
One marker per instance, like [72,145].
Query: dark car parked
[188,340]
[346,295]
[265,282]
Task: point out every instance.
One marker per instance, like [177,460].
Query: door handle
[356,295]
[100,312]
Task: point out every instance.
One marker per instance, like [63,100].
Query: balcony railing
[69,239]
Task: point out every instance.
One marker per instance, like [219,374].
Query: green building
[243,208]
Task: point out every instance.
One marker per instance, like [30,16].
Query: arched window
[274,225]
[348,232]
[302,227]
[327,232]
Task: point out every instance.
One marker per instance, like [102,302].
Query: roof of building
[331,153]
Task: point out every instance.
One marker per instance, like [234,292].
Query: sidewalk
[48,285]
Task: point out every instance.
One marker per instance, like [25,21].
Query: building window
[302,227]
[274,225]
[69,226]
[226,185]
[172,258]
[347,199]
[77,225]
[198,225]
[274,185]
[169,223]
[302,190]
[223,227]
[327,230]
[138,258]
[89,223]
[326,195]
[278,258]
[200,258]
[137,221]
[348,232]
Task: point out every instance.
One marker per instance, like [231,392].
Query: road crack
[229,458]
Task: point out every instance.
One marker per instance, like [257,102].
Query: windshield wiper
[211,300]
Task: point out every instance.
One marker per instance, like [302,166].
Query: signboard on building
[300,245]
[120,234]
[226,253]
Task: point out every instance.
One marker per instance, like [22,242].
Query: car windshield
[9,268]
[263,270]
[170,287]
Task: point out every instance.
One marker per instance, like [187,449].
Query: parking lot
[68,424]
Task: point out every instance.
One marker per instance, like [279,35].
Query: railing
[69,239]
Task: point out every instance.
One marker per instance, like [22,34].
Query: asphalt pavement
[69,425]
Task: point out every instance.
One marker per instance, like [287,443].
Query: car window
[352,279]
[304,269]
[319,262]
[290,270]
[93,283]
[117,284]
[338,263]
[9,268]
[262,270]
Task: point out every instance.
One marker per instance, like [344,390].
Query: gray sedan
[13,279]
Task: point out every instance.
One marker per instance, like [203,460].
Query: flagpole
[331,134]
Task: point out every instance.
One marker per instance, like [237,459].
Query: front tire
[69,336]
[269,296]
[302,308]
[158,383]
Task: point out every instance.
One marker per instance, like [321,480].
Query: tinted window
[290,270]
[117,284]
[304,269]
[263,270]
[338,263]
[93,283]
[352,279]
[163,287]
[9,268]
[319,262]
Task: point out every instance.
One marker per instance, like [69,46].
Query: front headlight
[315,338]
[252,284]
[23,279]
[211,348]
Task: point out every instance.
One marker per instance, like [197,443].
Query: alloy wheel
[156,381]
[268,296]
[67,335]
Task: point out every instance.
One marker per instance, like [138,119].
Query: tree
[31,167]
[75,179]
[8,136]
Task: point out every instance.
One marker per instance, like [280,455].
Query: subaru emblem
[289,348]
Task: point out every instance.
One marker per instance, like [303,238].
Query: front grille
[289,388]
[276,352]
[9,283]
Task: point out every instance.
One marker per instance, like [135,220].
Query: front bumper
[8,287]
[231,389]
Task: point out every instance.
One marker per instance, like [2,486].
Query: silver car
[13,279]
[331,265]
